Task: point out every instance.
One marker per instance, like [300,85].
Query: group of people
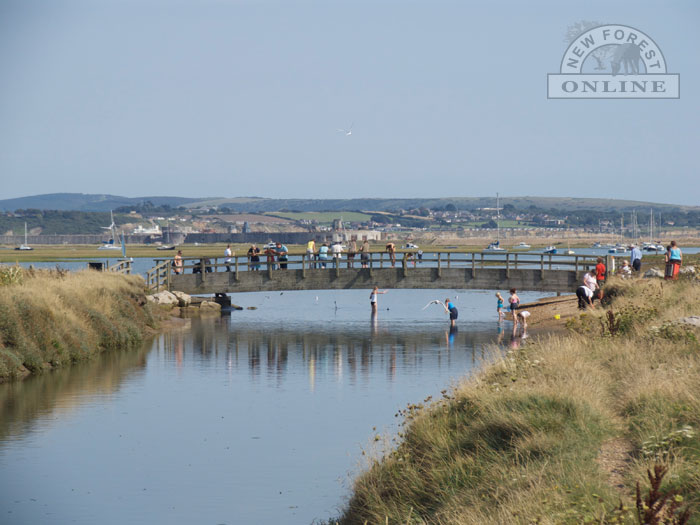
[325,253]
[519,316]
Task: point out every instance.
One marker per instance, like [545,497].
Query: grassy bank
[50,318]
[560,430]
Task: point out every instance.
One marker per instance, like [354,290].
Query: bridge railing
[121,266]
[158,277]
[161,274]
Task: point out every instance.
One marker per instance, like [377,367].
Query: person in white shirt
[228,254]
[373,298]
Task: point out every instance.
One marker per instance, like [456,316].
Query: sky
[244,98]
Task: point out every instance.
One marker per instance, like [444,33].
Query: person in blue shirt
[452,310]
[675,259]
[636,257]
[282,252]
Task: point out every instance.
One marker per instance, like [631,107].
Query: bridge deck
[535,272]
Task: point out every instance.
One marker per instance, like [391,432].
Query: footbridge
[445,270]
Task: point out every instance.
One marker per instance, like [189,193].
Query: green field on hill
[323,217]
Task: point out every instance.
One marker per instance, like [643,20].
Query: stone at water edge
[210,307]
[183,299]
[165,298]
[687,270]
[653,272]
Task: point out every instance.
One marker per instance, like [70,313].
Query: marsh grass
[51,318]
[520,443]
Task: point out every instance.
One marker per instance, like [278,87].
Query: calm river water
[255,417]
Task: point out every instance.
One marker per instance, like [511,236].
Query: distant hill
[89,202]
[84,202]
[258,205]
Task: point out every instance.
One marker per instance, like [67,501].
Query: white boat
[550,249]
[522,246]
[496,245]
[569,252]
[25,246]
[596,245]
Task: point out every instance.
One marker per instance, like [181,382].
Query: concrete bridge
[453,270]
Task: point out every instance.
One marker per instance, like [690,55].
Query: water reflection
[349,353]
[236,419]
[58,393]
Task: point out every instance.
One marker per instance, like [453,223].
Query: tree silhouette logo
[611,61]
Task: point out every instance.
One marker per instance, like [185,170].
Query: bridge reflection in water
[347,354]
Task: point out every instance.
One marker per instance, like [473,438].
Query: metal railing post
[439,269]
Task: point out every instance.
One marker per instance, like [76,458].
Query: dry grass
[50,318]
[520,442]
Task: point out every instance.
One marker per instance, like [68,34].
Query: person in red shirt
[600,276]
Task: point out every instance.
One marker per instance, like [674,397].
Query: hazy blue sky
[231,98]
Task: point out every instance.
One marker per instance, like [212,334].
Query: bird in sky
[347,132]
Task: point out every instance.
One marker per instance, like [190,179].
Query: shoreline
[561,429]
[51,319]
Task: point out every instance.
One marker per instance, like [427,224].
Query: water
[260,416]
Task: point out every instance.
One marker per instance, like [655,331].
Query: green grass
[323,217]
[50,319]
[520,443]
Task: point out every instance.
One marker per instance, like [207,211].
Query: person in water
[513,302]
[373,298]
[452,310]
[499,307]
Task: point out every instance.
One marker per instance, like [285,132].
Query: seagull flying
[435,301]
[347,132]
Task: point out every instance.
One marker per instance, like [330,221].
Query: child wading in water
[499,307]
[514,302]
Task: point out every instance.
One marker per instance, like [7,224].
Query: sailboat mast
[498,221]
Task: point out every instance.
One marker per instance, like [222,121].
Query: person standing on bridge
[177,262]
[373,298]
[364,253]
[228,254]
[311,252]
[282,251]
[391,250]
[352,248]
